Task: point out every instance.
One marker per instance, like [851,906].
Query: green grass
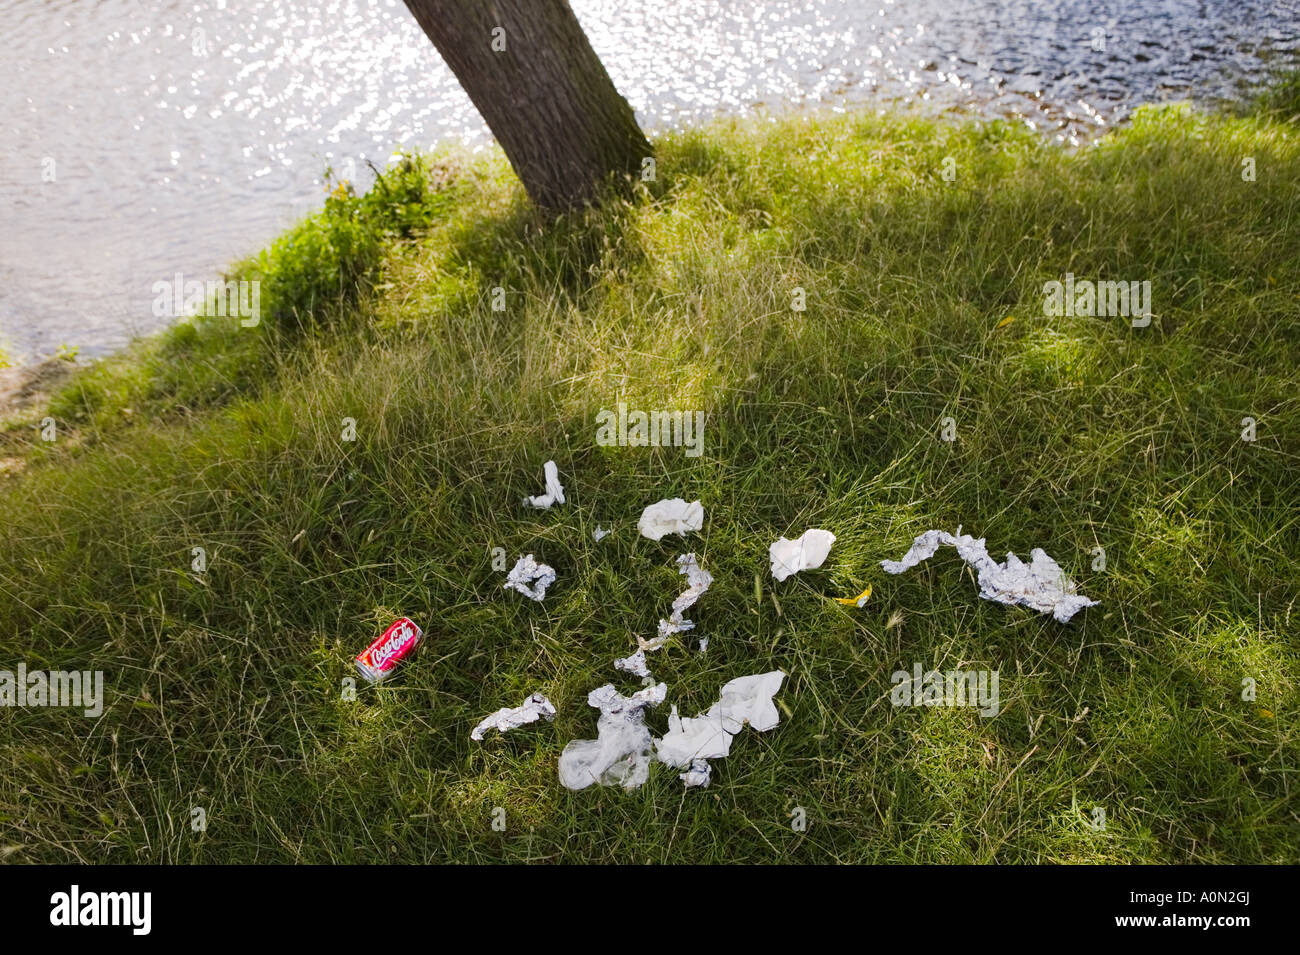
[1072,433]
[1280,99]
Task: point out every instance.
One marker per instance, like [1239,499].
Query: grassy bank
[223,688]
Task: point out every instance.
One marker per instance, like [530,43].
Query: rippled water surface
[148,138]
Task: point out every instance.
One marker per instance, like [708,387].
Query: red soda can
[380,659]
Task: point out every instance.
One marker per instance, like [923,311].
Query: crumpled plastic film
[806,552]
[670,516]
[1039,585]
[527,571]
[692,741]
[534,708]
[698,581]
[621,753]
[554,489]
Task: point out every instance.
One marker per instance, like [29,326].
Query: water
[148,138]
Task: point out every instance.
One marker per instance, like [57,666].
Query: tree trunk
[542,90]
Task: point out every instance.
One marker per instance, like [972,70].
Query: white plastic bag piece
[534,708]
[692,741]
[599,534]
[698,581]
[1039,585]
[672,516]
[554,489]
[621,753]
[527,571]
[806,552]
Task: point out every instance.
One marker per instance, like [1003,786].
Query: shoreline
[1068,131]
[23,386]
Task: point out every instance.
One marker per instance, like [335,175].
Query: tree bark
[546,97]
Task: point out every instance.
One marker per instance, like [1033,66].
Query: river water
[148,138]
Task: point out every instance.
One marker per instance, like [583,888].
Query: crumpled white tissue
[621,753]
[691,741]
[698,580]
[554,489]
[526,571]
[635,664]
[806,552]
[599,534]
[534,708]
[672,516]
[1040,585]
[698,775]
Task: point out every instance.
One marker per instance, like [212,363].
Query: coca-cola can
[377,661]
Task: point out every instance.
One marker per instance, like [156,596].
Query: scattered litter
[858,601]
[554,489]
[621,753]
[672,516]
[1040,585]
[599,534]
[691,741]
[525,572]
[806,552]
[635,664]
[534,708]
[704,644]
[698,580]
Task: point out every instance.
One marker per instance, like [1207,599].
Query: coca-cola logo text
[381,654]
